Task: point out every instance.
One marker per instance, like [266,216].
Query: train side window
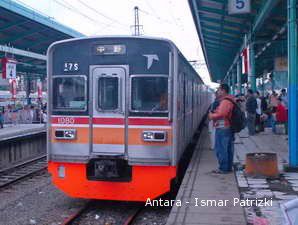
[149,94]
[108,93]
[71,94]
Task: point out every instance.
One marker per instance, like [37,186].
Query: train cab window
[108,93]
[149,94]
[70,93]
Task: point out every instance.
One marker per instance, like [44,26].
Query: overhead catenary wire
[152,9]
[102,14]
[174,18]
[73,9]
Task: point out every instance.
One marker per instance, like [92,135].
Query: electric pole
[136,27]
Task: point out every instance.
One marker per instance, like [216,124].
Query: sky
[169,19]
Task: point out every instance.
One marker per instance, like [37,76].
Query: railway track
[22,170]
[127,219]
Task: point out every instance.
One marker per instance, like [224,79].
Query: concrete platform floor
[199,185]
[280,190]
[13,131]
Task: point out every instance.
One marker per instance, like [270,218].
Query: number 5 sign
[239,6]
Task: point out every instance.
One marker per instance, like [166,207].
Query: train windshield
[70,93]
[149,94]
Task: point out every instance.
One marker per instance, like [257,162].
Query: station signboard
[239,6]
[9,68]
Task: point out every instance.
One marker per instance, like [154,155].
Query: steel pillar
[234,76]
[252,71]
[231,82]
[293,84]
[239,73]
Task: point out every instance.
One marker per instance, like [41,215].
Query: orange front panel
[135,137]
[108,136]
[147,182]
[82,135]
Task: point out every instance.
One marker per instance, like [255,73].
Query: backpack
[238,120]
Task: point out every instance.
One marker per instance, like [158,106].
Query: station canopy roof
[26,35]
[222,35]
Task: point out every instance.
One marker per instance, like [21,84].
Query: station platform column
[239,82]
[252,71]
[293,84]
[234,92]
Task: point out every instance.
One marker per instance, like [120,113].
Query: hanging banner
[9,68]
[239,6]
[245,60]
[13,88]
[39,88]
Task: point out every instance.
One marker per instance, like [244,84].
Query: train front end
[111,123]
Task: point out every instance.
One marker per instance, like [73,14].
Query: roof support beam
[265,11]
[12,24]
[219,12]
[215,42]
[225,30]
[220,39]
[32,15]
[16,51]
[228,36]
[21,36]
[37,43]
[228,23]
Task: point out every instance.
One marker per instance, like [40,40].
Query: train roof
[127,37]
[114,36]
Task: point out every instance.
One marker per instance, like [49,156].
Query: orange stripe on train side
[108,136]
[105,135]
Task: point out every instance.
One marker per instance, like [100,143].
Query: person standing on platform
[273,101]
[251,107]
[258,112]
[281,116]
[1,116]
[224,137]
[212,109]
[284,98]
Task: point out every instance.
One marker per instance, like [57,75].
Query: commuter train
[121,112]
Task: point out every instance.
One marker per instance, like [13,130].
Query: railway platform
[20,130]
[21,142]
[225,199]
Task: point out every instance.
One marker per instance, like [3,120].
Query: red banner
[13,89]
[245,60]
[39,88]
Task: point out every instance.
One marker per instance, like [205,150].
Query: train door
[108,110]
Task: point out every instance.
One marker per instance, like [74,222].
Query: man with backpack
[224,133]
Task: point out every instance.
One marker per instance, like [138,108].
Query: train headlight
[156,136]
[147,135]
[70,134]
[67,134]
